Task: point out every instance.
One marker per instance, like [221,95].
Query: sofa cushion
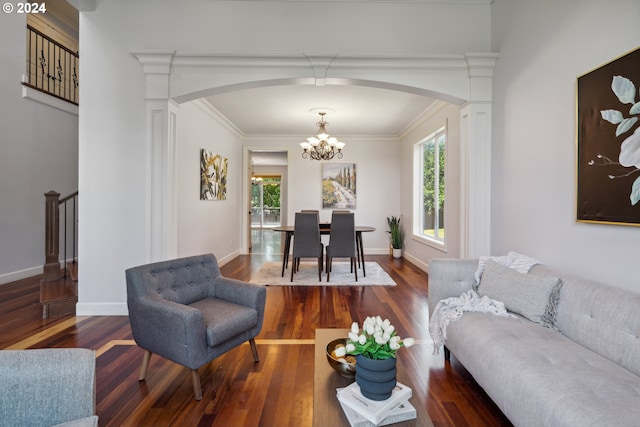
[524,294]
[225,319]
[82,422]
[538,377]
[603,318]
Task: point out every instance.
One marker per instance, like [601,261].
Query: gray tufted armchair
[185,310]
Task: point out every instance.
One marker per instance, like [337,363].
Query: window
[429,189]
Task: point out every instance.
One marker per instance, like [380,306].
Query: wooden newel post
[52,237]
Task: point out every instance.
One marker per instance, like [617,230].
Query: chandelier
[322,146]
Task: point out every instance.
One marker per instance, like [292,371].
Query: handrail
[52,234]
[70,196]
[51,67]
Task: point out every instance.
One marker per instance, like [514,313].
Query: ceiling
[287,110]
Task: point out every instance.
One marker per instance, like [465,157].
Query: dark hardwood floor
[278,391]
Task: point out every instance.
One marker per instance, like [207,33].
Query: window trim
[418,161]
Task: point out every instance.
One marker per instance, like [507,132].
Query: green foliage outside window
[429,176]
[434,186]
[271,192]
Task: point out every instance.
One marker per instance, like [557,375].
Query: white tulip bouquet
[378,339]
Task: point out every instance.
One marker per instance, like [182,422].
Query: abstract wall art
[213,176]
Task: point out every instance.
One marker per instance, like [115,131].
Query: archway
[465,80]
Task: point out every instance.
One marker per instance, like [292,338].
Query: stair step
[72,270]
[58,297]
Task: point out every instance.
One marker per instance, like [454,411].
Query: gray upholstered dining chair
[185,310]
[306,241]
[342,241]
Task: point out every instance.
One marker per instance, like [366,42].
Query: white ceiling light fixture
[322,146]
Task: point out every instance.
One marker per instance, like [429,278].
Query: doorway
[266,201]
[267,198]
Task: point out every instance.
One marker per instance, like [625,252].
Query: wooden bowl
[347,370]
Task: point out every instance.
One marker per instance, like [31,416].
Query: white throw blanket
[451,309]
[519,262]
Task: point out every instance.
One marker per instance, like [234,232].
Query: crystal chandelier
[322,146]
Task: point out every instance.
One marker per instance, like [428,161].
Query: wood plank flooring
[277,391]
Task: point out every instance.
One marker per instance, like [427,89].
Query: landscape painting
[213,176]
[339,185]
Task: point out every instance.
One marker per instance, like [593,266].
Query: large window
[429,190]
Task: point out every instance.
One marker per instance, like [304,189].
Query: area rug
[341,275]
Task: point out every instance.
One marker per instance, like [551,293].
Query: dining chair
[306,241]
[342,241]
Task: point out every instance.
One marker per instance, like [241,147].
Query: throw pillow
[481,263]
[524,294]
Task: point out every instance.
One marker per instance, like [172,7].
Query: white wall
[377,165]
[309,27]
[207,226]
[38,153]
[442,114]
[113,168]
[544,46]
[114,157]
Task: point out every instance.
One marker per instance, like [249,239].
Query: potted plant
[375,347]
[397,236]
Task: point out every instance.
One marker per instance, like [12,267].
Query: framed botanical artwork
[339,185]
[608,131]
[213,176]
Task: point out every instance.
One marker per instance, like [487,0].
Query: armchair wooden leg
[254,350]
[195,379]
[145,365]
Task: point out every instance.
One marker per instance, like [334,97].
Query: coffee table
[326,408]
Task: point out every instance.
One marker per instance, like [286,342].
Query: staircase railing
[53,205]
[51,67]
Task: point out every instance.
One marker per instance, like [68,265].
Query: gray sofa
[47,387]
[583,370]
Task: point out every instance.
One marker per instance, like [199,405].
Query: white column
[162,114]
[475,162]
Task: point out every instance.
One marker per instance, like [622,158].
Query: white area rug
[270,274]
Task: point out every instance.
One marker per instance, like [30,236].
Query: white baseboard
[224,260]
[420,264]
[376,251]
[26,273]
[19,275]
[102,309]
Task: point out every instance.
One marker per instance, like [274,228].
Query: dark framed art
[608,132]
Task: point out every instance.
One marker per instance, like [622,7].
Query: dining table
[325,228]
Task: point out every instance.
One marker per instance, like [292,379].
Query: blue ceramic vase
[376,378]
